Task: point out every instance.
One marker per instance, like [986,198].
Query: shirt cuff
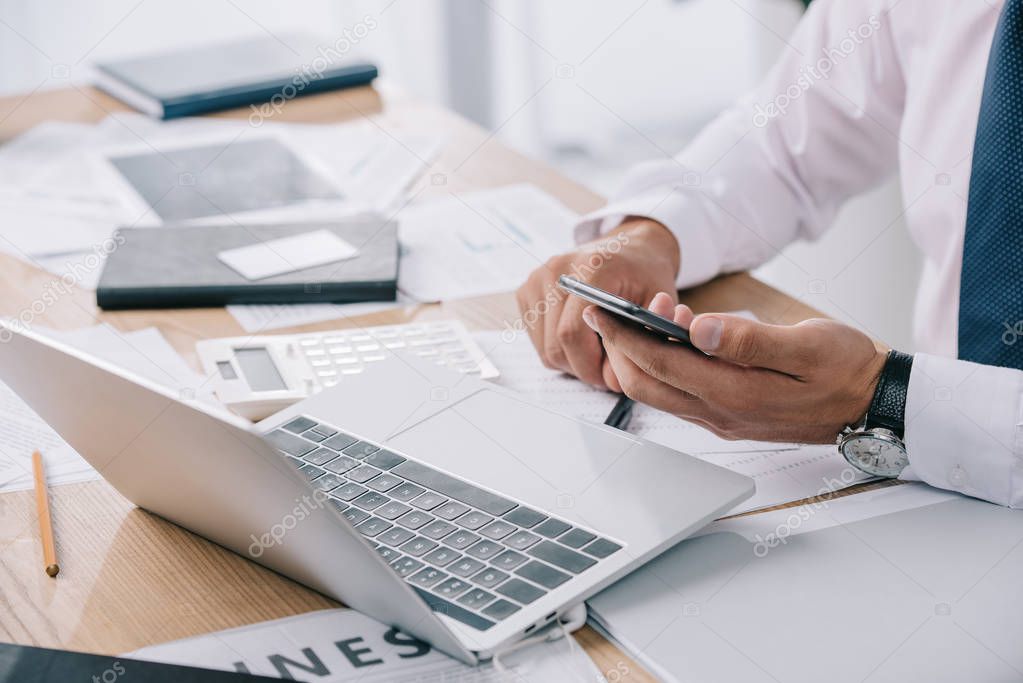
[964,428]
[673,209]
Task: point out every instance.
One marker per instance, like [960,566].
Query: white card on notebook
[287,254]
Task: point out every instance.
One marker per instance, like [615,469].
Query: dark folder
[175,266]
[207,78]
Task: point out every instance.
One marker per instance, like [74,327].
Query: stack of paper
[65,187]
[143,352]
[782,472]
[906,583]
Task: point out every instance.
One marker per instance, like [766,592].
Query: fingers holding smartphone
[582,348]
[663,304]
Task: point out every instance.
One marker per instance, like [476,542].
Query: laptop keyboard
[476,556]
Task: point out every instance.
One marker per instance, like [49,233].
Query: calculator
[257,376]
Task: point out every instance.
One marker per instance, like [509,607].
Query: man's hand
[801,383]
[635,261]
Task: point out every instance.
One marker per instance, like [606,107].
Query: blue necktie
[991,291]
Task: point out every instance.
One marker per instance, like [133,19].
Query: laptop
[432,501]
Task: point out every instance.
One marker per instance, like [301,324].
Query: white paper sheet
[21,433]
[144,352]
[342,645]
[258,318]
[59,205]
[782,472]
[478,243]
[55,193]
[81,269]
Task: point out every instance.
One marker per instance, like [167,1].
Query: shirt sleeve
[777,165]
[964,428]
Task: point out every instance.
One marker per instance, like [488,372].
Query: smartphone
[624,308]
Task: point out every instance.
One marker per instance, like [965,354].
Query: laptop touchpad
[520,449]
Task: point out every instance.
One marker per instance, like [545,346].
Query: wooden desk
[129,579]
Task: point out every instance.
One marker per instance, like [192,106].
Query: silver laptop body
[432,501]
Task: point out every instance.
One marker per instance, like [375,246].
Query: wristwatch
[877,447]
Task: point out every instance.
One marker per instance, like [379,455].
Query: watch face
[874,454]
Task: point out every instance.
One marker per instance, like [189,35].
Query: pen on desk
[621,414]
[43,507]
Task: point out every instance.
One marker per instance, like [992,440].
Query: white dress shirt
[864,89]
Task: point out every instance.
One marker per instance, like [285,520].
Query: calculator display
[259,369]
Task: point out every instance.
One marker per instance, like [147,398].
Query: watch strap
[888,407]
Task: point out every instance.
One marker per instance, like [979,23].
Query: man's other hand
[635,261]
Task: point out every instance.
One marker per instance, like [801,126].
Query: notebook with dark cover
[23,664]
[212,77]
[176,266]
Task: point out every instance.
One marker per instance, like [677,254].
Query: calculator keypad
[331,355]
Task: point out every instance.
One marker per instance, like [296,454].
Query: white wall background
[590,86]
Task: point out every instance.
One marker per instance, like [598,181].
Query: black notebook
[21,664]
[176,266]
[207,78]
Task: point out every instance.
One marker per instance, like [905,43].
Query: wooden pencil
[45,524]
